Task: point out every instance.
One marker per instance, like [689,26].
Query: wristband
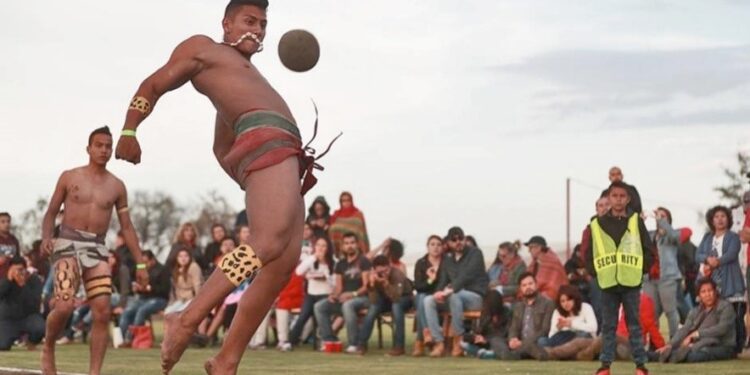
[140,266]
[127,133]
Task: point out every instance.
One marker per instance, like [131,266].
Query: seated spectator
[494,270]
[319,214]
[243,235]
[426,273]
[546,267]
[318,271]
[462,284]
[186,280]
[491,337]
[708,333]
[718,254]
[471,241]
[578,276]
[20,298]
[389,290]
[213,249]
[210,325]
[148,300]
[530,323]
[186,238]
[571,320]
[393,249]
[349,295]
[651,335]
[289,298]
[83,317]
[512,269]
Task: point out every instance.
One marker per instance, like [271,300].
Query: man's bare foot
[213,367]
[176,339]
[48,359]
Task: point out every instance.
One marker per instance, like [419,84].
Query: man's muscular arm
[129,235]
[182,66]
[48,223]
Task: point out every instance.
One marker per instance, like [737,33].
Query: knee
[429,302]
[64,307]
[272,246]
[320,307]
[101,315]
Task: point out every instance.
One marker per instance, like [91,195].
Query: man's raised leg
[66,281]
[98,285]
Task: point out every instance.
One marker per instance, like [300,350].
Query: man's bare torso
[89,199]
[231,82]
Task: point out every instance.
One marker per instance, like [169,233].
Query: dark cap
[455,232]
[538,240]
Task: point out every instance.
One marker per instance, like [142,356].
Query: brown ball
[299,50]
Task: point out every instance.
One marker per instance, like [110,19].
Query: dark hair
[350,235]
[473,241]
[217,225]
[5,214]
[381,260]
[573,293]
[525,275]
[326,208]
[712,212]
[329,252]
[102,130]
[396,250]
[17,259]
[434,237]
[704,281]
[148,254]
[620,185]
[494,311]
[666,211]
[234,4]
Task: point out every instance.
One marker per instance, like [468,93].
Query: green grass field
[74,358]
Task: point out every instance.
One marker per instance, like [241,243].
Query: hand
[332,298]
[688,341]
[564,322]
[48,245]
[479,339]
[431,273]
[128,149]
[345,297]
[141,277]
[745,235]
[664,348]
[118,310]
[514,343]
[439,296]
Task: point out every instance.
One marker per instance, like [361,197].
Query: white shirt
[585,321]
[315,287]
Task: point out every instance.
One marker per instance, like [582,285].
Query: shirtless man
[258,144]
[89,194]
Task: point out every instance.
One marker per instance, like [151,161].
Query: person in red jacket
[290,298]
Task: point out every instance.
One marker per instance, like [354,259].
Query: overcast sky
[468,113]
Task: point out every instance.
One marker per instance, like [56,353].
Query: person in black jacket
[20,301]
[462,284]
[490,341]
[148,300]
[425,283]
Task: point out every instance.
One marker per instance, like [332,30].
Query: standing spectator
[319,214]
[308,239]
[318,271]
[148,300]
[349,295]
[389,290]
[186,238]
[530,323]
[621,252]
[665,287]
[9,246]
[572,318]
[20,298]
[491,337]
[513,267]
[741,216]
[124,254]
[546,267]
[462,284]
[348,219]
[186,282]
[426,272]
[213,249]
[718,254]
[615,175]
[708,333]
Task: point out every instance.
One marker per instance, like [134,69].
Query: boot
[418,349]
[588,353]
[569,349]
[457,350]
[437,350]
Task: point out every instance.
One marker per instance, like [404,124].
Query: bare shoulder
[195,44]
[116,182]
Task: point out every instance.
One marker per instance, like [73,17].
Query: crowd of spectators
[544,309]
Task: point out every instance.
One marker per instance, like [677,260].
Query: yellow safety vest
[618,265]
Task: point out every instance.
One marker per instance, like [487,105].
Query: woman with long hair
[318,271]
[186,237]
[425,283]
[186,281]
[348,219]
[490,339]
[511,269]
[319,214]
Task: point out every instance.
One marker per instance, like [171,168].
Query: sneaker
[641,370]
[486,354]
[603,371]
[351,349]
[285,347]
[63,341]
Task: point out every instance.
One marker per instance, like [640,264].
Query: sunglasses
[456,239]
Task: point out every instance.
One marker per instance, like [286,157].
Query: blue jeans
[398,310]
[325,309]
[458,302]
[421,317]
[304,314]
[138,310]
[630,298]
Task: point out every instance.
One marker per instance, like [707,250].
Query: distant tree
[211,209]
[28,227]
[739,176]
[156,217]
